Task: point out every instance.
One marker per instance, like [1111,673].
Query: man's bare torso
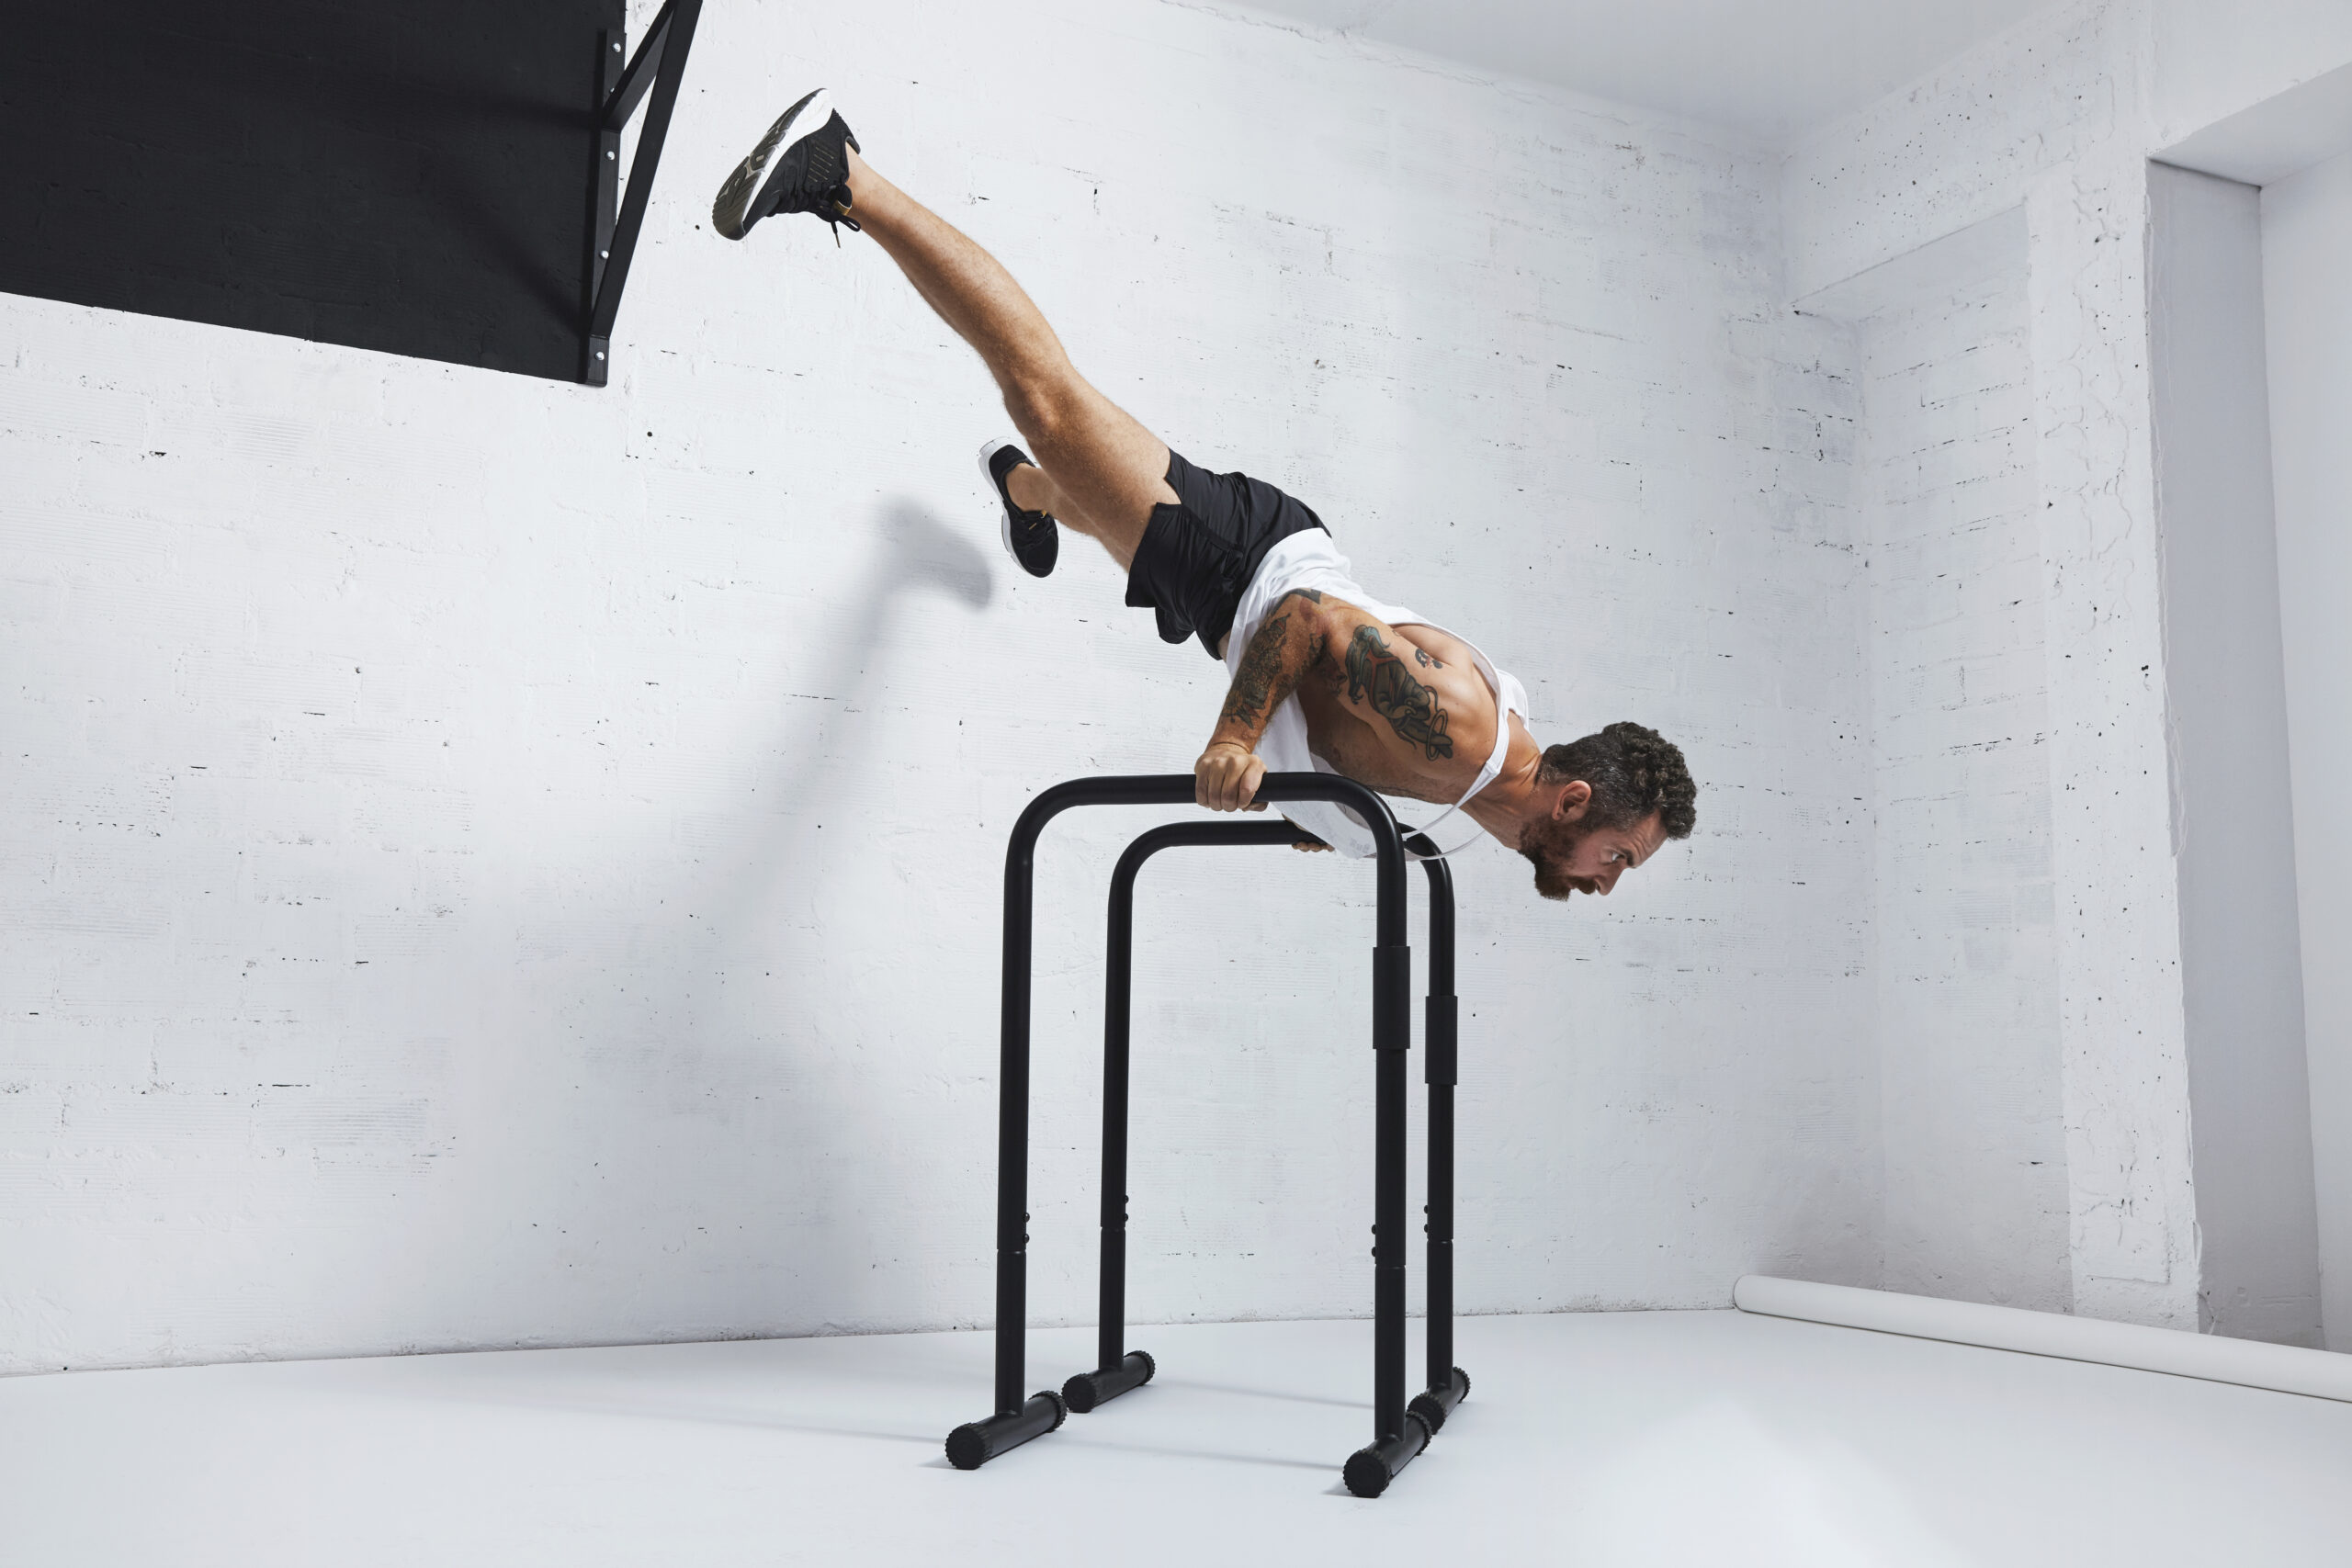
[1401,708]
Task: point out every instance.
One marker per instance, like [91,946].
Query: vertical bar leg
[1119,992]
[1398,1433]
[1116,1369]
[1388,1248]
[1016,1420]
[1448,1385]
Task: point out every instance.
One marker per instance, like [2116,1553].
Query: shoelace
[1027,521]
[837,201]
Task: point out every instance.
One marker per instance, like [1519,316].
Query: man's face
[1570,858]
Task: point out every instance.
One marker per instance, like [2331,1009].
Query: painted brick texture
[490,862]
[2059,117]
[1976,1200]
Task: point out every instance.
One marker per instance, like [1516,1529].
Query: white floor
[1615,1439]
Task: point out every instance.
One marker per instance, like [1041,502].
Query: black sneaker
[805,167]
[1030,537]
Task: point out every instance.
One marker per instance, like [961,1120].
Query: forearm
[1291,641]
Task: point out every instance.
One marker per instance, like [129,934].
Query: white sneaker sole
[989,449]
[813,114]
[800,121]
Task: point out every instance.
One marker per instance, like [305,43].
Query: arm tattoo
[1411,709]
[1271,666]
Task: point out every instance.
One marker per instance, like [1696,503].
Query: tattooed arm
[1295,636]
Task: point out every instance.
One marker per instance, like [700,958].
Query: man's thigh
[1113,469]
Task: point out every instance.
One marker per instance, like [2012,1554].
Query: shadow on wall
[725,1170]
[920,555]
[849,911]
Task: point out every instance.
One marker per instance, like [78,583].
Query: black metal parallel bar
[663,56]
[1118,1369]
[1447,1384]
[1398,1436]
[1111,1279]
[1392,1005]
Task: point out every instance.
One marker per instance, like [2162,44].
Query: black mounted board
[417,176]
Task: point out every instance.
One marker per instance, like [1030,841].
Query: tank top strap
[1495,682]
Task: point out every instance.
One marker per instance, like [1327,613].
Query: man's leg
[1098,470]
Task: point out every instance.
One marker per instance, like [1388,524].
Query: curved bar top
[1175,835]
[1177,789]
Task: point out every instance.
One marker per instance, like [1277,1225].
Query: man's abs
[1403,709]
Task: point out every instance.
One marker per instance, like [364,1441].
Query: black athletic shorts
[1197,557]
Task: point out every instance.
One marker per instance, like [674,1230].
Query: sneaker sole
[989,449]
[812,114]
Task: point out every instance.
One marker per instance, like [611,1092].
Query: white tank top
[1310,560]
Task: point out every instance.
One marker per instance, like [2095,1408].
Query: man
[1323,675]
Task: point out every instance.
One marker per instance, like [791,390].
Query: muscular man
[1323,675]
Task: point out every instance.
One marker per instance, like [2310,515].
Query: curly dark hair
[1633,771]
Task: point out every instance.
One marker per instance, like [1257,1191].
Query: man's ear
[1576,798]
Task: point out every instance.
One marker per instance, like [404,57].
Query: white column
[2125,1078]
[2241,968]
[2306,236]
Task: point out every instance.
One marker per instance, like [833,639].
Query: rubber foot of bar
[1434,1405]
[1086,1392]
[974,1443]
[1371,1469]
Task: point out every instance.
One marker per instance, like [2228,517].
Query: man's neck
[1504,808]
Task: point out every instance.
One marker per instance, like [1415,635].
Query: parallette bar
[1086,1391]
[1434,1403]
[974,1443]
[1370,1470]
[1018,1420]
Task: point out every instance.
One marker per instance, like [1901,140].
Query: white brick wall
[2053,115]
[1963,142]
[2059,116]
[1967,992]
[493,863]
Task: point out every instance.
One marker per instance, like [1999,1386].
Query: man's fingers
[1246,786]
[1212,784]
[1225,781]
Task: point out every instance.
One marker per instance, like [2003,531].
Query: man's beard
[1549,850]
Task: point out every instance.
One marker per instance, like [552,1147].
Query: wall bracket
[660,65]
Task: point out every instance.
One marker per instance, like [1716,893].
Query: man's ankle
[867,190]
[1030,489]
